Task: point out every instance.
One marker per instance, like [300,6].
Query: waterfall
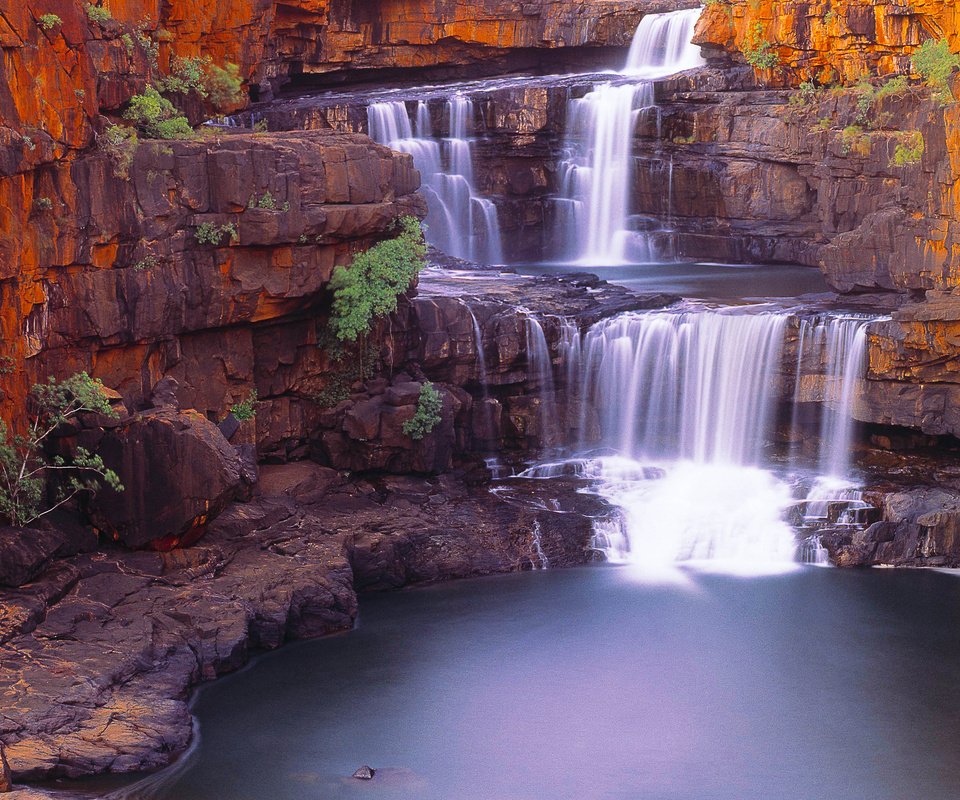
[662,44]
[838,344]
[694,385]
[596,174]
[540,369]
[459,221]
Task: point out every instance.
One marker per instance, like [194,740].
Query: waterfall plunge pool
[818,684]
[701,281]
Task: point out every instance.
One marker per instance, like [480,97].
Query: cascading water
[685,401]
[594,208]
[839,342]
[459,221]
[682,404]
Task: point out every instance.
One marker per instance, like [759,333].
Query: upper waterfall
[597,173]
[662,44]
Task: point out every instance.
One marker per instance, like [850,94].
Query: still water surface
[718,282]
[820,684]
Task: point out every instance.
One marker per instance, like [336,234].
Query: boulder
[364,773]
[24,552]
[178,472]
[6,782]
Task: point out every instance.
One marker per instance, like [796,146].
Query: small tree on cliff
[368,289]
[26,466]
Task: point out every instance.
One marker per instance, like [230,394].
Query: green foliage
[128,44]
[26,468]
[807,94]
[80,94]
[48,21]
[186,75]
[334,393]
[120,144]
[156,117]
[261,126]
[369,287]
[854,139]
[98,14]
[267,202]
[934,62]
[224,86]
[823,124]
[758,52]
[428,416]
[208,233]
[893,86]
[42,204]
[147,262]
[150,48]
[909,149]
[246,408]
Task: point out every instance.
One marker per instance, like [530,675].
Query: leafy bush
[48,21]
[208,233]
[370,286]
[759,52]
[224,86]
[427,416]
[934,61]
[98,14]
[893,86]
[42,204]
[186,75]
[909,149]
[246,408]
[26,468]
[120,144]
[854,139]
[156,117]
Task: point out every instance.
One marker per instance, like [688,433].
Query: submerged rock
[365,773]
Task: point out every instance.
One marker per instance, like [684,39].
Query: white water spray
[594,209]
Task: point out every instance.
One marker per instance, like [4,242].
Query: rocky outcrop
[920,527]
[95,677]
[828,42]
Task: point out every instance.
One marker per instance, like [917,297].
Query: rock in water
[6,781]
[365,773]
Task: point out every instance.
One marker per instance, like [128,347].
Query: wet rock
[364,773]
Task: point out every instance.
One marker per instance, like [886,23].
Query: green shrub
[26,468]
[208,233]
[48,21]
[246,408]
[854,139]
[934,62]
[156,117]
[427,416]
[186,75]
[893,86]
[98,14]
[369,287]
[120,144]
[909,149]
[224,86]
[759,52]
[42,204]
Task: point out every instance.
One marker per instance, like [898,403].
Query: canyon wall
[828,42]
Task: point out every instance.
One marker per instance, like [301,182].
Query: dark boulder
[24,552]
[178,471]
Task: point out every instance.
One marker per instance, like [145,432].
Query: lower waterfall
[673,415]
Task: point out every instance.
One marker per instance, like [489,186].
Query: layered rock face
[824,41]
